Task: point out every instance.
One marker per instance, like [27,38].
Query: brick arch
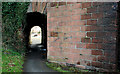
[38,7]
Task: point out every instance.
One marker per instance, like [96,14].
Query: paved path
[34,63]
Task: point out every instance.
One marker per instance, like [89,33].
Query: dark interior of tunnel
[36,19]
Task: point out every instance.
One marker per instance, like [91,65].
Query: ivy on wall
[13,16]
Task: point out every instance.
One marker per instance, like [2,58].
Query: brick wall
[83,34]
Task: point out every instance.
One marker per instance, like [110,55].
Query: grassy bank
[12,61]
[56,67]
[63,68]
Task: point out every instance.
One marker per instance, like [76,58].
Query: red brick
[59,39]
[109,46]
[91,46]
[101,34]
[52,48]
[88,57]
[70,2]
[75,34]
[76,6]
[88,40]
[81,45]
[64,13]
[76,17]
[75,28]
[91,28]
[52,19]
[51,29]
[85,52]
[96,34]
[53,14]
[78,63]
[51,39]
[97,15]
[109,40]
[97,40]
[66,29]
[73,23]
[81,66]
[91,34]
[64,7]
[111,67]
[68,40]
[55,44]
[98,3]
[100,45]
[53,4]
[72,56]
[54,34]
[48,44]
[48,33]
[70,45]
[48,25]
[55,53]
[97,64]
[53,24]
[85,16]
[84,62]
[111,34]
[102,58]
[108,8]
[91,22]
[62,23]
[58,29]
[48,20]
[75,51]
[77,39]
[92,10]
[78,11]
[109,53]
[61,34]
[62,3]
[67,18]
[97,52]
[86,5]
[110,28]
[79,34]
[66,50]
[112,59]
[69,34]
[48,15]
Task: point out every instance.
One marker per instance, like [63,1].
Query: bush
[13,14]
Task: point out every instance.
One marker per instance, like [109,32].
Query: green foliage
[11,61]
[13,14]
[64,68]
[55,67]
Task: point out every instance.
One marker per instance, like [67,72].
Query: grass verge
[54,66]
[11,61]
[63,68]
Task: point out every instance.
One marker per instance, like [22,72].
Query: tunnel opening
[35,35]
[36,19]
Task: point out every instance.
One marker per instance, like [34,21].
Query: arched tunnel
[35,61]
[36,19]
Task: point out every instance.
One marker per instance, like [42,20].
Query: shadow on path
[35,63]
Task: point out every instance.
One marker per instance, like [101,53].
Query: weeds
[11,61]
